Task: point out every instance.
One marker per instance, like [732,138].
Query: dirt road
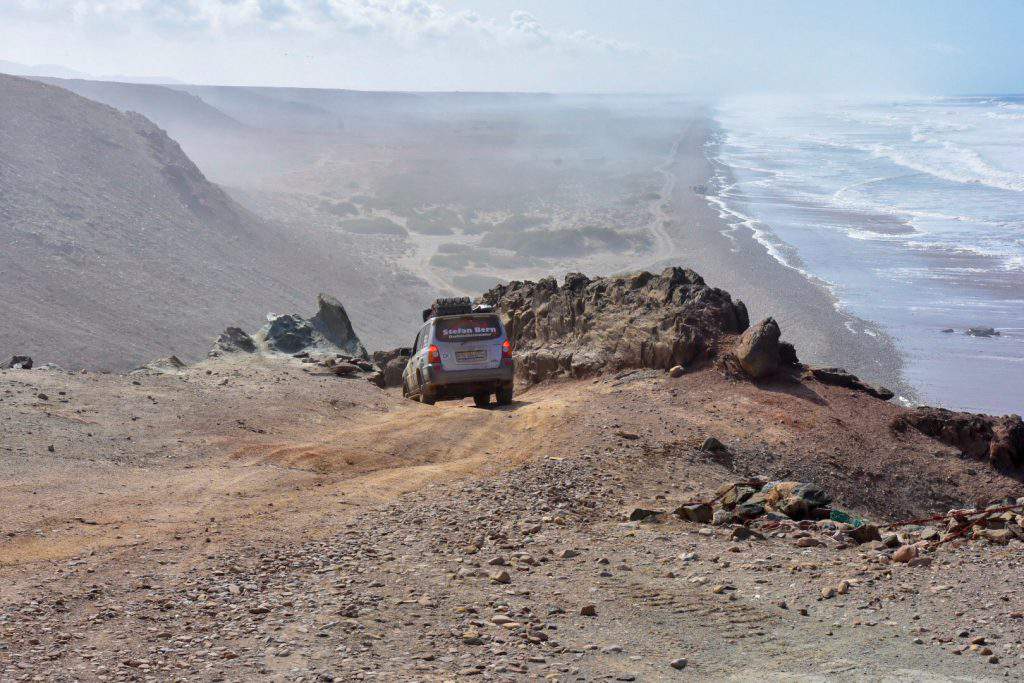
[261,522]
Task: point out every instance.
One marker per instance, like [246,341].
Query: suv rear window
[466,328]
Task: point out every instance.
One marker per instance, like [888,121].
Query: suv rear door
[469,342]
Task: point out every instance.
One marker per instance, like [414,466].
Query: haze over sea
[911,211]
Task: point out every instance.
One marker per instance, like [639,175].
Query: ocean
[910,211]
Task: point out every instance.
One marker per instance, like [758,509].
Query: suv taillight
[506,349]
[433,354]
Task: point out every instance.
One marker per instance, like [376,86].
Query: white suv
[460,352]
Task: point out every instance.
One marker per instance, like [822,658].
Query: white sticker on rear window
[461,329]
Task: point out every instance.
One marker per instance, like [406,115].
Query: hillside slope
[175,111]
[118,249]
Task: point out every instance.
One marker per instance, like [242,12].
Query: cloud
[408,22]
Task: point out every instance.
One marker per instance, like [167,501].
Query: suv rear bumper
[440,377]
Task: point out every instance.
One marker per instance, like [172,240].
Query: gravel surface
[426,561]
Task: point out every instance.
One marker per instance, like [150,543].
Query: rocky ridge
[589,325]
[996,440]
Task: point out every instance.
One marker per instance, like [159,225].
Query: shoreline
[729,255]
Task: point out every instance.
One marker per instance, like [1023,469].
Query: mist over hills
[176,111]
[118,249]
[385,199]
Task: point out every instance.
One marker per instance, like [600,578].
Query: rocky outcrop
[634,320]
[333,324]
[329,331]
[999,440]
[233,340]
[840,377]
[757,350]
[18,363]
[160,366]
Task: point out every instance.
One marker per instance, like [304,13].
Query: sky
[683,46]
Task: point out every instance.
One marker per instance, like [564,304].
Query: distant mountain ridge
[39,70]
[177,111]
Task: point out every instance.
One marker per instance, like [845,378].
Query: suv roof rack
[456,305]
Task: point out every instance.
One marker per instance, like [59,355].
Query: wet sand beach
[729,257]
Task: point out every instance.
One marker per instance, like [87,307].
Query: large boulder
[288,333]
[392,364]
[999,440]
[333,324]
[606,323]
[757,350]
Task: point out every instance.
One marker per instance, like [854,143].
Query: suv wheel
[426,397]
[504,395]
[482,400]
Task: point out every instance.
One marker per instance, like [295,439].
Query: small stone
[641,514]
[676,371]
[743,533]
[891,540]
[722,518]
[588,611]
[500,577]
[679,664]
[865,533]
[808,542]
[904,553]
[713,445]
[828,593]
[702,513]
[567,554]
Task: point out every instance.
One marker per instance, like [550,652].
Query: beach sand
[728,256]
